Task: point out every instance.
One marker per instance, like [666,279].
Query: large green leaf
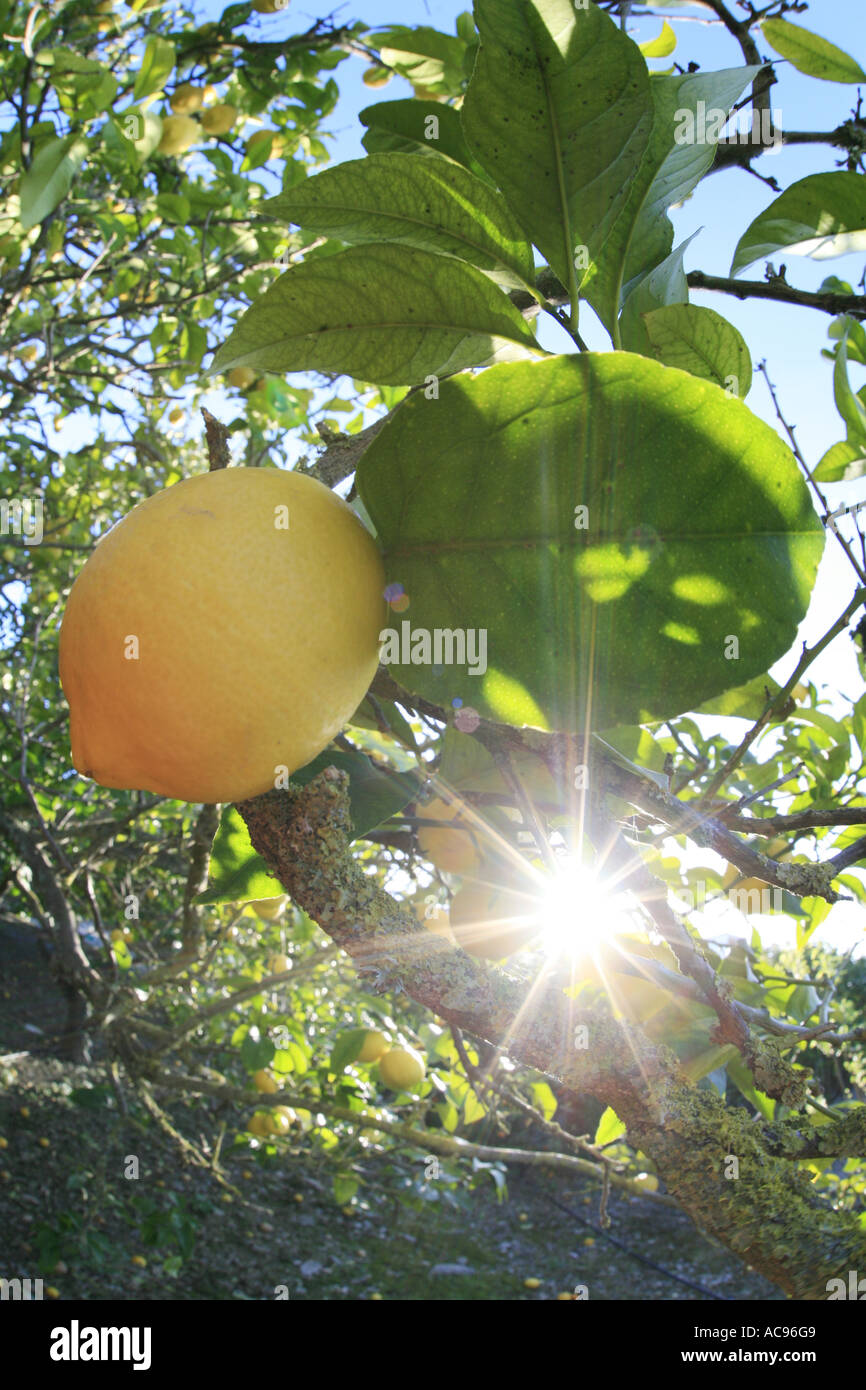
[698,530]
[700,341]
[811,54]
[414,126]
[820,216]
[433,204]
[559,112]
[689,111]
[391,315]
[49,178]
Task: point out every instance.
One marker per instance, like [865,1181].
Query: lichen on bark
[761,1205]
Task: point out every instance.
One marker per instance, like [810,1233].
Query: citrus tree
[483,755]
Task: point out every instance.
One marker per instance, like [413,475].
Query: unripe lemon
[185,99]
[219,119]
[242,377]
[219,635]
[376,77]
[402,1068]
[270,6]
[492,922]
[281,1119]
[373,1046]
[265,1083]
[269,908]
[29,353]
[176,415]
[453,848]
[279,963]
[178,134]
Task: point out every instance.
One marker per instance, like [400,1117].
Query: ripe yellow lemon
[223,632]
[219,119]
[277,964]
[454,848]
[265,1083]
[373,1046]
[402,1068]
[178,134]
[259,1125]
[185,99]
[492,922]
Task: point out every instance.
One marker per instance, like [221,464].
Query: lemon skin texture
[255,644]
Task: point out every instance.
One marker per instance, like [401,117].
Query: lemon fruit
[178,134]
[185,99]
[219,635]
[259,1125]
[265,1083]
[242,377]
[375,1044]
[270,6]
[402,1068]
[278,964]
[219,119]
[269,909]
[454,847]
[493,922]
[376,77]
[281,1119]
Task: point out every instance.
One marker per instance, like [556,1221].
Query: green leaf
[344,1188]
[700,341]
[661,46]
[842,462]
[136,132]
[746,701]
[156,65]
[49,178]
[427,57]
[173,207]
[237,873]
[821,216]
[558,111]
[414,126]
[610,1127]
[256,1053]
[476,499]
[389,314]
[688,113]
[433,204]
[809,53]
[848,403]
[346,1048]
[663,287]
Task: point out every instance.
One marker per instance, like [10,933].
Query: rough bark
[768,1214]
